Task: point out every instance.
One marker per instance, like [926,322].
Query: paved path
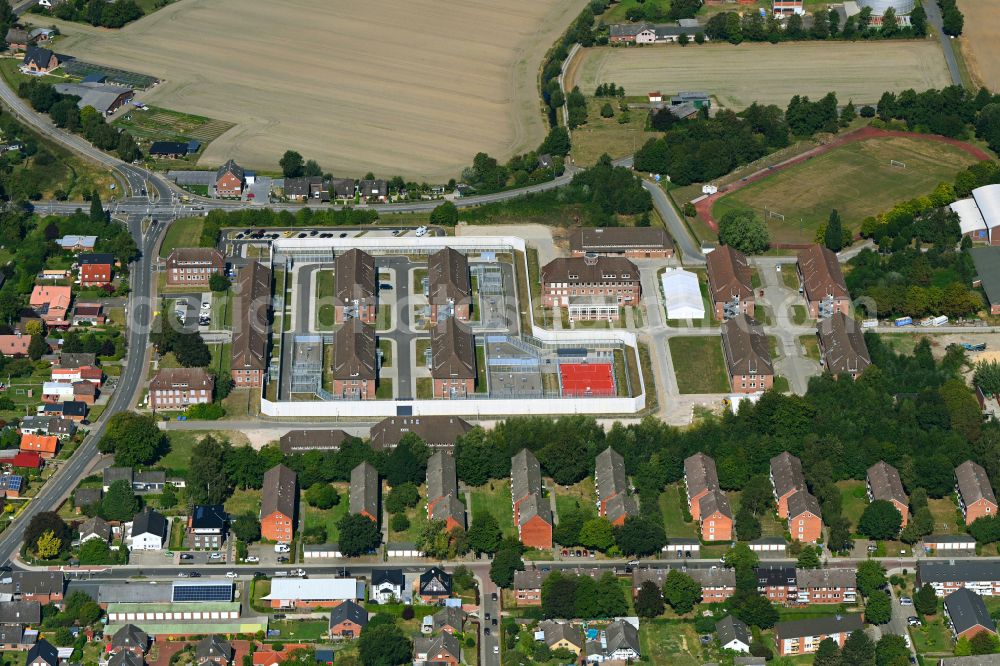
[935,19]
[689,250]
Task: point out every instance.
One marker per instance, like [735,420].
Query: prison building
[822,282]
[356,288]
[729,283]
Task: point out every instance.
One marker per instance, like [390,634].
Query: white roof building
[316,589]
[979,216]
[682,294]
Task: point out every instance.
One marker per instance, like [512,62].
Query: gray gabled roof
[973,483]
[20,612]
[801,502]
[621,635]
[364,489]
[448,277]
[449,507]
[957,571]
[125,658]
[297,441]
[700,474]
[449,616]
[250,323]
[95,525]
[885,484]
[715,500]
[835,578]
[730,629]
[453,351]
[745,346]
[966,610]
[534,505]
[443,642]
[230,167]
[441,476]
[348,610]
[525,475]
[281,492]
[610,472]
[819,626]
[45,651]
[561,631]
[213,647]
[354,351]
[622,504]
[786,474]
[149,522]
[355,277]
[130,637]
[843,345]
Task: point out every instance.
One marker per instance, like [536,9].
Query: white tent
[682,294]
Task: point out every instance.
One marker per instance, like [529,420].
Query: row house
[535,527]
[251,334]
[729,283]
[356,287]
[442,491]
[778,583]
[804,636]
[822,282]
[179,388]
[716,517]
[842,346]
[975,494]
[629,242]
[827,586]
[706,501]
[300,441]
[805,520]
[449,286]
[194,266]
[700,478]
[279,504]
[437,432]
[717,585]
[747,353]
[355,370]
[615,501]
[786,479]
[591,286]
[45,425]
[883,483]
[364,492]
[453,360]
[946,576]
[528,583]
[45,587]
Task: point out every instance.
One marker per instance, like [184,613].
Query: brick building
[716,517]
[179,388]
[822,282]
[453,360]
[631,242]
[356,287]
[354,366]
[882,481]
[804,636]
[700,478]
[194,265]
[827,586]
[786,479]
[279,504]
[729,283]
[449,286]
[805,521]
[230,180]
[591,286]
[364,491]
[251,324]
[842,346]
[535,526]
[975,494]
[748,358]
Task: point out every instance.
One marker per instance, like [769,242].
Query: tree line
[98,13]
[823,25]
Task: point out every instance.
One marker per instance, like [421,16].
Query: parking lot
[192,311]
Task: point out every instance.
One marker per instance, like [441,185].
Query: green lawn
[799,314]
[423,344]
[177,460]
[301,630]
[945,517]
[673,513]
[854,500]
[699,364]
[781,384]
[418,519]
[243,501]
[425,388]
[856,179]
[384,318]
[221,357]
[670,642]
[578,496]
[326,518]
[933,637]
[185,232]
[383,390]
[385,346]
[494,498]
[325,313]
[790,278]
[622,134]
[811,345]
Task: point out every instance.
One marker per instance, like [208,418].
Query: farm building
[987,262]
[103,98]
[682,294]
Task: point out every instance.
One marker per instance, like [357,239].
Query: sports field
[414,88]
[739,75]
[980,42]
[856,179]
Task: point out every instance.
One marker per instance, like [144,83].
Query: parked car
[215,556]
[232,574]
[187,556]
[913,621]
[195,574]
[905,601]
[252,559]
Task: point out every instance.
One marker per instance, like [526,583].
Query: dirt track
[415,88]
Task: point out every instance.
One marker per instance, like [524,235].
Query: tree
[133,438]
[407,462]
[757,611]
[878,608]
[925,600]
[740,557]
[384,644]
[808,558]
[871,576]
[79,607]
[399,522]
[484,535]
[859,650]
[48,545]
[37,347]
[120,502]
[880,520]
[610,599]
[556,142]
[168,498]
[95,551]
[848,114]
[291,164]
[208,481]
[312,169]
[891,650]
[833,238]
[402,497]
[597,533]
[640,536]
[445,214]
[649,601]
[505,563]
[97,214]
[607,111]
[744,231]
[358,535]
[322,496]
[918,21]
[681,591]
[827,654]
[963,648]
[984,642]
[46,521]
[246,527]
[757,496]
[219,282]
[987,377]
[191,350]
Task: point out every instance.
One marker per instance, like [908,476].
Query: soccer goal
[897,163]
[770,214]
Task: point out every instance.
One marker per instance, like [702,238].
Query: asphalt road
[935,19]
[689,250]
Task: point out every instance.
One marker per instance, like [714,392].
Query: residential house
[748,358]
[387,585]
[882,481]
[822,282]
[279,504]
[699,100]
[373,191]
[87,373]
[615,502]
[967,614]
[14,345]
[85,392]
[20,612]
[53,392]
[355,372]
[73,361]
[449,619]
[14,637]
[194,266]
[11,486]
[590,287]
[716,517]
[534,522]
[148,481]
[804,636]
[73,410]
[130,638]
[95,269]
[230,179]
[842,346]
[45,425]
[805,521]
[620,507]
[562,635]
[786,479]
[252,310]
[30,460]
[149,531]
[778,583]
[300,441]
[314,592]
[45,446]
[42,653]
[528,586]
[306,188]
[51,303]
[364,492]
[87,498]
[729,283]
[45,587]
[356,287]
[618,642]
[442,491]
[975,494]
[826,586]
[450,289]
[213,650]
[39,61]
[439,650]
[453,360]
[91,314]
[717,585]
[17,38]
[95,528]
[630,242]
[179,388]
[434,586]
[206,527]
[77,243]
[733,634]
[700,478]
[948,575]
[436,431]
[347,620]
[343,188]
[788,7]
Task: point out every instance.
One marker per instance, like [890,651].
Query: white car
[206,306]
[252,559]
[496,649]
[232,574]
[215,556]
[282,548]
[182,574]
[421,231]
[905,601]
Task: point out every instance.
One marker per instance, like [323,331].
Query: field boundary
[704,205]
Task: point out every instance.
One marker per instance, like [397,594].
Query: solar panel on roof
[201,592]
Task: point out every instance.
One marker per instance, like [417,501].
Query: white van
[282,548]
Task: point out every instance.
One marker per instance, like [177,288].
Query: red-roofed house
[14,345]
[51,303]
[85,373]
[44,445]
[95,275]
[27,460]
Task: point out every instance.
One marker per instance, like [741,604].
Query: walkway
[935,19]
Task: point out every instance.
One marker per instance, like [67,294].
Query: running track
[704,207]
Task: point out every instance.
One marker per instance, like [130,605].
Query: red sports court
[580,380]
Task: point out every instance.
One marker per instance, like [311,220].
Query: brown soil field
[980,41]
[413,87]
[772,74]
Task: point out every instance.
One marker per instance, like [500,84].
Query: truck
[940,320]
[904,321]
[869,323]
[974,348]
[927,321]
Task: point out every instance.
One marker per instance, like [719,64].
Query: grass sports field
[415,88]
[856,179]
[739,75]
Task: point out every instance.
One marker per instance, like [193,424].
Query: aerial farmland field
[415,88]
[979,42]
[739,75]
